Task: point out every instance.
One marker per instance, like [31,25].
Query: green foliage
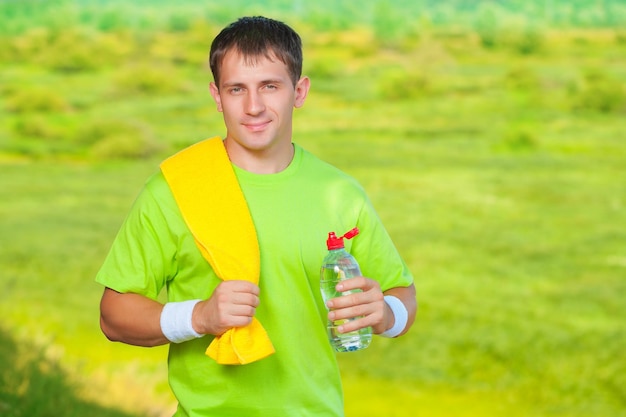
[518,139]
[496,28]
[599,92]
[332,55]
[325,67]
[29,44]
[455,116]
[179,22]
[119,139]
[37,127]
[72,50]
[404,85]
[486,27]
[528,39]
[33,384]
[147,78]
[26,99]
[522,78]
[390,23]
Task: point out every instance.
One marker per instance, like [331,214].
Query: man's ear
[302,89]
[215,92]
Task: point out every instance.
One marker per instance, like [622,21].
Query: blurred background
[490,136]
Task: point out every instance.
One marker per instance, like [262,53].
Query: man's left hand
[367,306]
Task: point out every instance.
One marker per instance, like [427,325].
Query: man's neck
[268,161]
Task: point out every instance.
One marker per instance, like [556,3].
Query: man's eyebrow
[233,84]
[273,81]
[263,82]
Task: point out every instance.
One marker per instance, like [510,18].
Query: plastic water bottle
[339,265]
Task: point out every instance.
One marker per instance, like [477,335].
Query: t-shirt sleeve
[376,253]
[142,256]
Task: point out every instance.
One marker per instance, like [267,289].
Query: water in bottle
[337,266]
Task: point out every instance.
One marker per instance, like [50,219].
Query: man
[294,200]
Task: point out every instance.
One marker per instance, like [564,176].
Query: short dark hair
[255,37]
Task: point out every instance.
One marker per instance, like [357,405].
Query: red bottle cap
[335,242]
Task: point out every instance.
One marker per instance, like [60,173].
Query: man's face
[257,100]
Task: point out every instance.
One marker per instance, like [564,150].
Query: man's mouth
[257,126]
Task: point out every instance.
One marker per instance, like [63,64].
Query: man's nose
[254,103]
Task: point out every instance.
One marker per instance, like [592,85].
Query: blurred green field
[490,137]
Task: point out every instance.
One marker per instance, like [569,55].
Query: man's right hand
[232,304]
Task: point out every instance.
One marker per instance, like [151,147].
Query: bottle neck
[337,249]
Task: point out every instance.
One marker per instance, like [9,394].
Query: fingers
[353,325]
[370,292]
[236,301]
[362,308]
[358,283]
[238,287]
[232,304]
[233,294]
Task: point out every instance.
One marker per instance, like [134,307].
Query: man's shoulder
[319,170]
[322,166]
[156,184]
[156,194]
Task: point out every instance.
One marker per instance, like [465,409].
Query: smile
[256,127]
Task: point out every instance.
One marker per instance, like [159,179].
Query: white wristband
[176,321]
[400,314]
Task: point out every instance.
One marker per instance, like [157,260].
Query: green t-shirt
[293,212]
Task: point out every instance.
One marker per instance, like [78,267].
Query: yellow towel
[208,194]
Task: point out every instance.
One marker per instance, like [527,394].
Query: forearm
[131,318]
[408,297]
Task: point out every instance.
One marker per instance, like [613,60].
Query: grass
[497,172]
[34,384]
[518,255]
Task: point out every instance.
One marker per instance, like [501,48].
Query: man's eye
[235,90]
